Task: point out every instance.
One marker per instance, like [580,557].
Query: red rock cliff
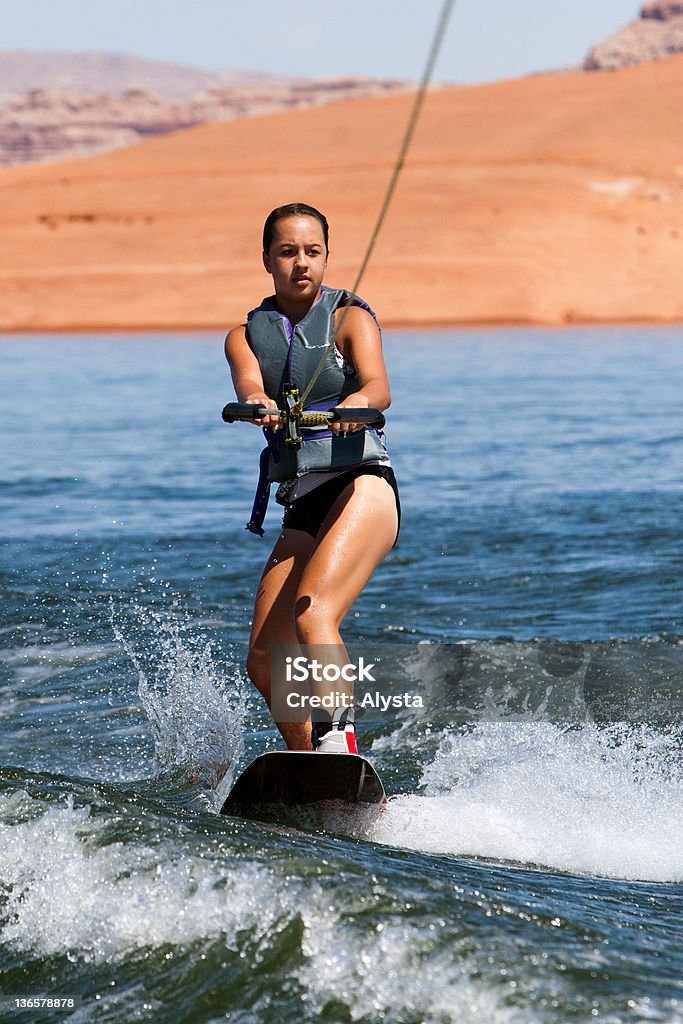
[657,33]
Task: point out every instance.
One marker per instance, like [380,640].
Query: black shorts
[308,512]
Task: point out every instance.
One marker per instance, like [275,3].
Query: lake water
[529,865]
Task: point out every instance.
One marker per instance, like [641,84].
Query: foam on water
[603,802]
[395,973]
[68,894]
[195,711]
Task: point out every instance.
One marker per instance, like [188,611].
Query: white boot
[341,738]
[338,741]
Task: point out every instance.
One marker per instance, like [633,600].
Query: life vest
[288,357]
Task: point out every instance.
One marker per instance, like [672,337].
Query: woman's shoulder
[354,314]
[235,340]
[354,309]
[236,334]
[355,323]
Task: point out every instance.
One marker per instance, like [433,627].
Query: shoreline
[492,324]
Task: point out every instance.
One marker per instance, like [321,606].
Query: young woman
[342,510]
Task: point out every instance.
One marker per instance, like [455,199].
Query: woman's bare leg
[308,586]
[274,621]
[357,534]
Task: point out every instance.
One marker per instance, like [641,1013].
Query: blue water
[529,865]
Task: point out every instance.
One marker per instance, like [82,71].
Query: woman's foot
[336,735]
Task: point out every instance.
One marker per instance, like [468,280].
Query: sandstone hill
[658,32]
[56,106]
[47,126]
[551,199]
[22,71]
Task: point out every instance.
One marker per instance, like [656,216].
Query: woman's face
[297,258]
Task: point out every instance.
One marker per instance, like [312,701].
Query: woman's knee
[258,668]
[311,616]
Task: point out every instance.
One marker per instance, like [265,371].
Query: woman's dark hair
[293,210]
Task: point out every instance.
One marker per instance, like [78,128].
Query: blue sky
[487,39]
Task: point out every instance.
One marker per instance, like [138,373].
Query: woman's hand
[357,401]
[260,398]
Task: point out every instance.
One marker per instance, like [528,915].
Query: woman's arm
[360,342]
[246,374]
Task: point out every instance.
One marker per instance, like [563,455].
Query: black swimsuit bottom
[308,512]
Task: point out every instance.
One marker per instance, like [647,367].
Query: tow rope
[297,407]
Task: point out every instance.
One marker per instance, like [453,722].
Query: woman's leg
[357,534]
[274,621]
[308,586]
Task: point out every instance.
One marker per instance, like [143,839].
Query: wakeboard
[295,778]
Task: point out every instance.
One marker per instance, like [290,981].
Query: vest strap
[260,506]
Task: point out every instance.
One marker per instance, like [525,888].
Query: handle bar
[237,412]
